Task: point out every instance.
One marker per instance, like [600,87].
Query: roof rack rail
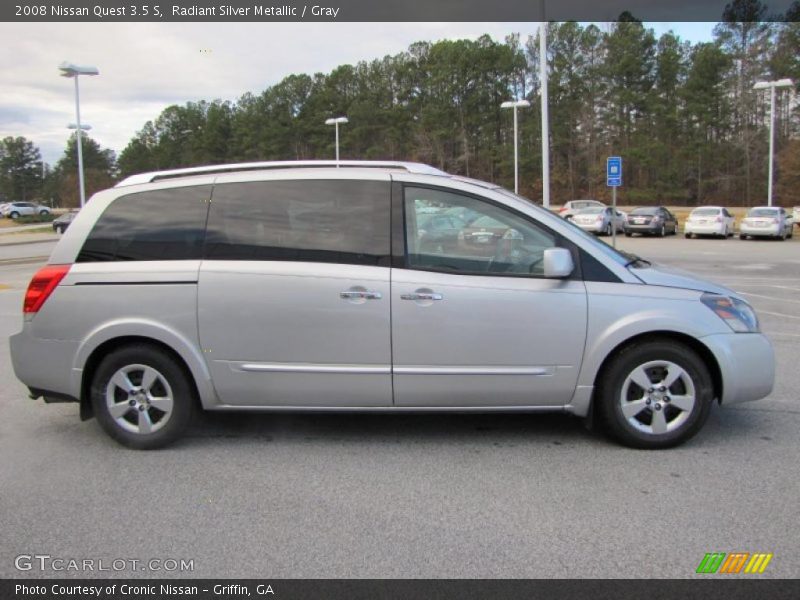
[410,167]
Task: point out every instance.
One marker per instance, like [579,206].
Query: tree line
[683,116]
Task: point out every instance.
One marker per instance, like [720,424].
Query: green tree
[20,168]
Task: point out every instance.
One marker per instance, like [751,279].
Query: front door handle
[360,295]
[422,296]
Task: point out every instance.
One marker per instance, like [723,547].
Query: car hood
[678,278]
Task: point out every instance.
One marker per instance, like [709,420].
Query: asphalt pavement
[477,496]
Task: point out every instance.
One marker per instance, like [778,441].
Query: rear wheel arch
[109,346]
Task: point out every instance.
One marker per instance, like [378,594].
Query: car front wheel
[655,394]
[141,397]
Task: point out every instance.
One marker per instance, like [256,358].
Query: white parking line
[766,312]
[780,287]
[768,297]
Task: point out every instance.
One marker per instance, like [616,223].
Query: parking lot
[418,496]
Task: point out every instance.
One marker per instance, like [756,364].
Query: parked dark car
[61,223]
[652,220]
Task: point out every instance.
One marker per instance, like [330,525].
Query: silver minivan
[313,287]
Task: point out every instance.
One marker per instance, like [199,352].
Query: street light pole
[545,116]
[516,104]
[73,71]
[335,122]
[761,85]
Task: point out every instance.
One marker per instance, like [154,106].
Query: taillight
[599,217]
[42,285]
[774,221]
[563,209]
[719,219]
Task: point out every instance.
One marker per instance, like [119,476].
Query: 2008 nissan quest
[369,287]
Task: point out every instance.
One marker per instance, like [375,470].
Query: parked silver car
[302,286]
[766,221]
[571,208]
[14,210]
[599,220]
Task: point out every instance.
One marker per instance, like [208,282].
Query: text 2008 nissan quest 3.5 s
[371,287]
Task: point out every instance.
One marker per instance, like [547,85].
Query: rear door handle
[422,296]
[360,295]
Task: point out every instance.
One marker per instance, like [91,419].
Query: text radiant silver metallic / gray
[373,286]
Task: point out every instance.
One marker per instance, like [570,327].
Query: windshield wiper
[636,260]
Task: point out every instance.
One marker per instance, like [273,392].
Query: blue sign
[614,171]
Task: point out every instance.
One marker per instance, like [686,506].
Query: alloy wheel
[657,397]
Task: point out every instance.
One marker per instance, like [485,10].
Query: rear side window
[158,225]
[311,221]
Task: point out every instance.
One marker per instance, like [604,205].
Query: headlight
[738,314]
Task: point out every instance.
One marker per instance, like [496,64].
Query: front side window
[495,242]
[301,220]
[165,224]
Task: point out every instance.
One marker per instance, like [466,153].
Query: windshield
[705,212]
[762,212]
[645,210]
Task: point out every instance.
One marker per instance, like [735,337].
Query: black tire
[686,423]
[609,232]
[662,232]
[182,393]
[688,236]
[628,234]
[14,215]
[44,212]
[742,236]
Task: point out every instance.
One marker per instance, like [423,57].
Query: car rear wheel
[14,215]
[44,212]
[142,398]
[655,394]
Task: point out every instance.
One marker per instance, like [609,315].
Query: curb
[23,261]
[2,243]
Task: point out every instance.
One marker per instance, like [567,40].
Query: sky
[145,67]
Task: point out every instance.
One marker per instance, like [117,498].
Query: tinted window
[158,225]
[311,221]
[497,242]
[644,211]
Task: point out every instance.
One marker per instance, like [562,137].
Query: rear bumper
[747,365]
[715,229]
[642,228]
[45,364]
[771,231]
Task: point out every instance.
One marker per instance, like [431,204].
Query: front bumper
[747,365]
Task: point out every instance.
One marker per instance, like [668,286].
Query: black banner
[712,588]
[370,10]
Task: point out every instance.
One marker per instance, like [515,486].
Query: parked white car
[766,221]
[796,215]
[571,208]
[709,220]
[15,210]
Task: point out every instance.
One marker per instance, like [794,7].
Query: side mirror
[558,263]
